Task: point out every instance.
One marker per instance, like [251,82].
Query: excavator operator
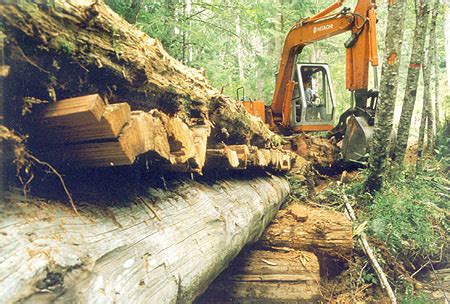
[310,95]
[315,110]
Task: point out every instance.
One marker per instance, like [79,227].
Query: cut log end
[325,232]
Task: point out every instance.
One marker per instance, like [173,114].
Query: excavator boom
[361,47]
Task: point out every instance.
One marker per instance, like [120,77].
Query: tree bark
[431,122]
[379,146]
[427,117]
[412,80]
[165,245]
[437,80]
[447,41]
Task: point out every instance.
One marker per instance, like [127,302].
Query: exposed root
[23,161]
[28,103]
[61,179]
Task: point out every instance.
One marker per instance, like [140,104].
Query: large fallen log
[62,49]
[165,246]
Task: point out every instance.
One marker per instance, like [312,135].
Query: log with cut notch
[62,49]
[263,276]
[325,232]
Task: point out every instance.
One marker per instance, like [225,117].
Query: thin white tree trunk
[447,41]
[388,92]
[415,64]
[188,38]
[239,49]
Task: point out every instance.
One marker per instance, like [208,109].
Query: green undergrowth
[407,222]
[409,214]
[409,217]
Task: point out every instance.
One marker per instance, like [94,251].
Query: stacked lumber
[97,50]
[86,132]
[84,118]
[222,158]
[263,276]
[179,101]
[243,157]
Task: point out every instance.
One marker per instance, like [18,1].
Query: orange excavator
[303,100]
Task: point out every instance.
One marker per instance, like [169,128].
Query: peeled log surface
[88,48]
[262,276]
[325,232]
[127,254]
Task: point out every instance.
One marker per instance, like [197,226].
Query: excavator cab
[313,104]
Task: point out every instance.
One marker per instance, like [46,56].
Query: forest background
[238,43]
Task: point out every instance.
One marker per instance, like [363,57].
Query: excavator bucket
[356,139]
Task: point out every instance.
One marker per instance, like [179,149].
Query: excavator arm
[361,50]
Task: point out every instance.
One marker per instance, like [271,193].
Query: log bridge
[92,91]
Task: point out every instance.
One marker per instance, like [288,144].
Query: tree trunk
[412,80]
[447,41]
[165,245]
[133,11]
[423,125]
[437,64]
[437,81]
[431,122]
[96,51]
[388,92]
[427,117]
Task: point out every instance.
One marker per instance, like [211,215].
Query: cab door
[313,103]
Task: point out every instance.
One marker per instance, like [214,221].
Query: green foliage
[409,214]
[299,188]
[368,277]
[413,298]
